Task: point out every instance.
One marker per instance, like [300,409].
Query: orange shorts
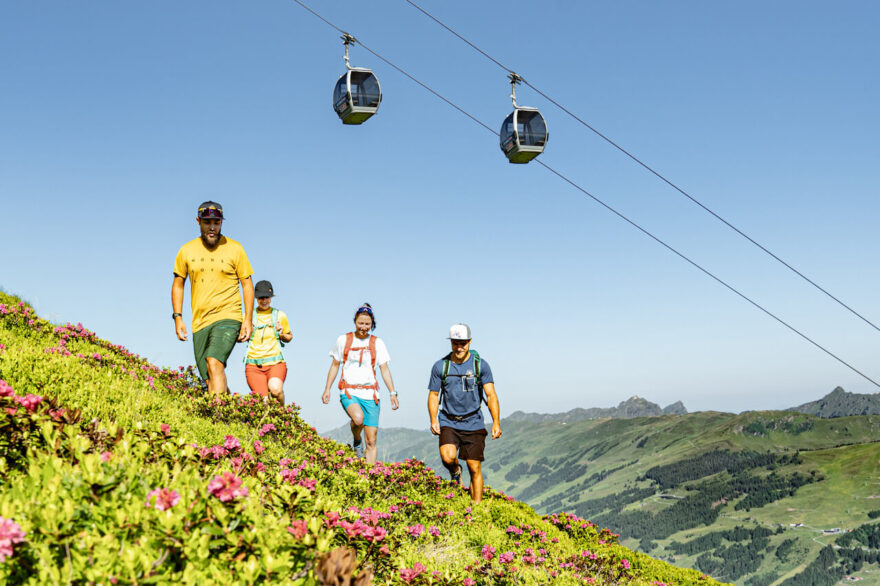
[258,376]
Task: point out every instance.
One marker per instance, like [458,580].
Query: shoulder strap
[446,360]
[444,374]
[478,373]
[275,327]
[251,339]
[373,351]
[254,322]
[349,339]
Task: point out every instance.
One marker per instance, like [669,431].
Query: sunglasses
[460,342]
[210,212]
[364,309]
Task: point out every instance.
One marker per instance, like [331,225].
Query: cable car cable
[706,271]
[650,169]
[614,211]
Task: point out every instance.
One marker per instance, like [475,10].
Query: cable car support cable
[611,209]
[649,168]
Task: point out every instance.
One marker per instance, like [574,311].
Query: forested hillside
[751,498]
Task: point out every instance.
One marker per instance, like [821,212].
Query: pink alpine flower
[259,447]
[298,529]
[232,443]
[106,456]
[435,531]
[410,574]
[289,475]
[624,563]
[10,534]
[488,552]
[29,401]
[227,487]
[162,499]
[266,429]
[416,530]
[308,483]
[469,582]
[165,428]
[5,389]
[506,557]
[332,518]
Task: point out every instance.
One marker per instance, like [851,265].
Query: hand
[246,329]
[496,430]
[180,329]
[394,402]
[435,427]
[280,328]
[325,398]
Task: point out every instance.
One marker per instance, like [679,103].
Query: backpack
[478,371]
[371,345]
[274,326]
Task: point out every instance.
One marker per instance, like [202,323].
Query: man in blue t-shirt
[459,422]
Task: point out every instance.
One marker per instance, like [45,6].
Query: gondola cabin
[523,135]
[356,96]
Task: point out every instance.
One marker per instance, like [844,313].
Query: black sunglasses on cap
[210,210]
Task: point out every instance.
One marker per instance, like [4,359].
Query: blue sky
[119,118]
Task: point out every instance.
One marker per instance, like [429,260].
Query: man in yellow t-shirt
[215,266]
[265,368]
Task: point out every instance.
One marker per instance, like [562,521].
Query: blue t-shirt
[461,395]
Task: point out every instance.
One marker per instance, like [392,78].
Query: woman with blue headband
[358,353]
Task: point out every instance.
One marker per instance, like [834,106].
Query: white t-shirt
[358,370]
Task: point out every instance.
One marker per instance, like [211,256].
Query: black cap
[263,289]
[210,209]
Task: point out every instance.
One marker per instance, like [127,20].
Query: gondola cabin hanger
[524,131]
[357,94]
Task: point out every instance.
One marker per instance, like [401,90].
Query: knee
[357,420]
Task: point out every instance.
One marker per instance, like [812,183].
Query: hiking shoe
[456,476]
[358,449]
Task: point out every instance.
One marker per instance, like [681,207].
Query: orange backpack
[371,346]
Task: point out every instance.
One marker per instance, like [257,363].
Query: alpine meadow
[116,471]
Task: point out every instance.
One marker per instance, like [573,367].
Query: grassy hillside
[751,498]
[115,471]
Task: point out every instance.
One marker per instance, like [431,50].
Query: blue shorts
[368,406]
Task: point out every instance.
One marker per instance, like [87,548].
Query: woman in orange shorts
[265,368]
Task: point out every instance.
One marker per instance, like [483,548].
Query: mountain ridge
[839,403]
[635,406]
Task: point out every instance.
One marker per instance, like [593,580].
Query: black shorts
[470,444]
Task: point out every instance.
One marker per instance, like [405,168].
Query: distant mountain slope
[632,407]
[750,498]
[839,403]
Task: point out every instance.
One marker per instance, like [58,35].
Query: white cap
[460,332]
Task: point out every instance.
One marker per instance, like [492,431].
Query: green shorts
[217,341]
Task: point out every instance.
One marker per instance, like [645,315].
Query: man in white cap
[461,381]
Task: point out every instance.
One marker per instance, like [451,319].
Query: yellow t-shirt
[214,276]
[264,344]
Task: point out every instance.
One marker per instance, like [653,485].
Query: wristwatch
[175,314]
